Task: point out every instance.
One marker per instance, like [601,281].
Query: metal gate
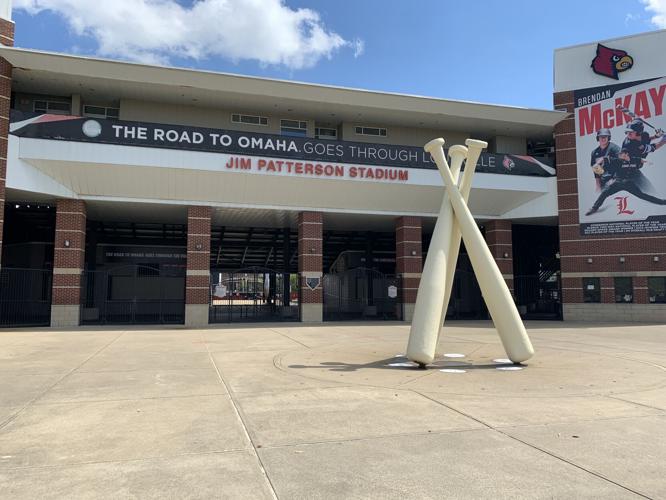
[133,294]
[253,294]
[25,297]
[539,296]
[362,293]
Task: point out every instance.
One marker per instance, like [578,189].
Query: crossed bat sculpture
[455,221]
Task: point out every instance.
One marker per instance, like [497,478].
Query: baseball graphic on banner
[620,159]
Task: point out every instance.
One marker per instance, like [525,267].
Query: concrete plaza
[333,411]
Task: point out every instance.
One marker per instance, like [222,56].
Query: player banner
[621,165]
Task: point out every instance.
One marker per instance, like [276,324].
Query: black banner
[154,135]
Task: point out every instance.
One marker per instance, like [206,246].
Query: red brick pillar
[408,261]
[498,237]
[310,265]
[197,292]
[68,262]
[6,38]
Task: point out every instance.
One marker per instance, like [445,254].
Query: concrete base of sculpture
[456,222]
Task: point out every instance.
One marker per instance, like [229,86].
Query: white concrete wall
[512,145]
[157,112]
[572,64]
[407,136]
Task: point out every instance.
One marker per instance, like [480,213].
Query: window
[624,290]
[52,107]
[294,128]
[326,133]
[100,112]
[249,119]
[657,290]
[591,290]
[381,132]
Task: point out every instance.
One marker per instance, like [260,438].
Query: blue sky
[496,52]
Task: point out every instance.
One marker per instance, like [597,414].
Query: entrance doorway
[253,294]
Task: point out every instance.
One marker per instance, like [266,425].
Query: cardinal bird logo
[609,62]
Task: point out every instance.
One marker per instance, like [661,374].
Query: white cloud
[658,8]
[154,31]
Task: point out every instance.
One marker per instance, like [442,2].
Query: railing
[362,294]
[133,295]
[252,295]
[25,297]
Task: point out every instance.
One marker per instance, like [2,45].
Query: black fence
[362,294]
[253,295]
[133,295]
[25,297]
[538,297]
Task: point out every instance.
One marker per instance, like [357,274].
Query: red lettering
[352,172]
[328,170]
[319,169]
[339,171]
[261,164]
[658,99]
[642,107]
[246,163]
[403,175]
[589,119]
[607,118]
[309,168]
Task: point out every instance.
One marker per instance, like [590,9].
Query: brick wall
[499,240]
[6,38]
[409,255]
[596,256]
[198,255]
[310,258]
[69,252]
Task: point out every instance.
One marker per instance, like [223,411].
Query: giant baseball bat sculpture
[428,316]
[474,149]
[495,292]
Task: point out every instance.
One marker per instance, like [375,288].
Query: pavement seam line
[237,411]
[537,448]
[635,403]
[288,337]
[13,417]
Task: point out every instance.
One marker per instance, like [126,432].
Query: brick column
[6,38]
[197,292]
[310,265]
[498,237]
[408,261]
[68,262]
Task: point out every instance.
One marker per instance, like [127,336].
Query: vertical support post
[6,38]
[310,266]
[197,291]
[68,262]
[286,259]
[408,261]
[499,239]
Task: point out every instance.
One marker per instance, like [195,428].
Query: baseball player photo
[621,166]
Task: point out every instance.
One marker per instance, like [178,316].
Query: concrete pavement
[293,411]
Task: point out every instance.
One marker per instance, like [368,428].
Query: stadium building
[137,194]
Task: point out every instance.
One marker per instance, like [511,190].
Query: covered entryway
[253,294]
